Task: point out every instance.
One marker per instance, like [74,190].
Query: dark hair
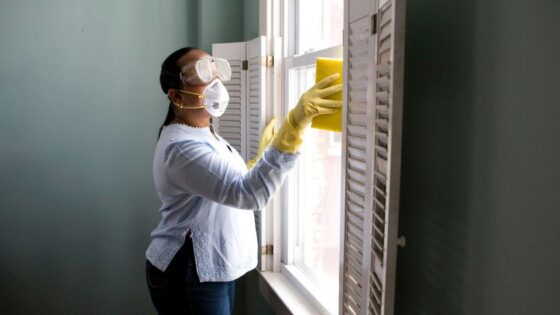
[169,79]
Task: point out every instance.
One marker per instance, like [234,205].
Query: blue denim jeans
[179,291]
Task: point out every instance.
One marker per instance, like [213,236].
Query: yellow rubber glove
[266,138]
[311,104]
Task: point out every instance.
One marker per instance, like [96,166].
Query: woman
[206,237]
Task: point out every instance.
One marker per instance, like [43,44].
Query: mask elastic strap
[192,93]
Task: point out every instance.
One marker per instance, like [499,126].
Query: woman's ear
[174,97]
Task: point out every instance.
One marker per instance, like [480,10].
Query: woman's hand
[312,102]
[267,136]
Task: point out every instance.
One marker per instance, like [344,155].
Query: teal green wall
[250,19]
[480,206]
[81,106]
[220,21]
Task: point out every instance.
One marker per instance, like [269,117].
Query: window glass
[319,24]
[317,196]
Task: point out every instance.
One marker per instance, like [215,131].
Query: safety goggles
[206,69]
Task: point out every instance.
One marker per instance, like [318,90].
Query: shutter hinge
[244,65]
[374,24]
[267,250]
[269,61]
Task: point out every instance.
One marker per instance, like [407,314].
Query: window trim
[307,59]
[324,303]
[299,278]
[283,296]
[278,23]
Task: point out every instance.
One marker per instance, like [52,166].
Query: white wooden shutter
[232,125]
[245,117]
[374,50]
[256,120]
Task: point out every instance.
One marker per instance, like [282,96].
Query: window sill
[314,294]
[283,296]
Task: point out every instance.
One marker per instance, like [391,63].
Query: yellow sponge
[326,67]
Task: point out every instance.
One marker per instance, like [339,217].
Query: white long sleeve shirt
[204,186]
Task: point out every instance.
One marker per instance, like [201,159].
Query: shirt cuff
[280,159]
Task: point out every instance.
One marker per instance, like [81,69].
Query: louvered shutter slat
[357,185]
[388,111]
[232,123]
[373,119]
[256,119]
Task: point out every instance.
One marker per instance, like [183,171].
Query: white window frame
[282,17]
[302,279]
[276,21]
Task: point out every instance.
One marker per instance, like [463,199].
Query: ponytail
[169,79]
[170,116]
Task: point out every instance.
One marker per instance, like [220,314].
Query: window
[312,196]
[310,256]
[319,24]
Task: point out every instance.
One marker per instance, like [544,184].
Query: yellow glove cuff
[288,138]
[251,163]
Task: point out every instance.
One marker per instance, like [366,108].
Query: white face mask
[215,98]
